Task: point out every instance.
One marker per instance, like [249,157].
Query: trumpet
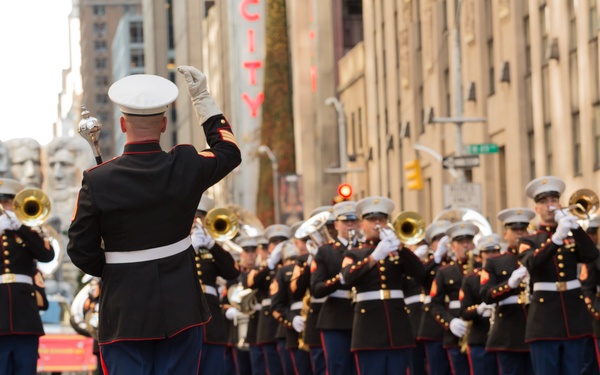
[409,226]
[221,224]
[583,203]
[31,206]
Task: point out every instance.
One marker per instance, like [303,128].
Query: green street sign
[482,148]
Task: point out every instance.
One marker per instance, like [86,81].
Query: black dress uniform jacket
[381,324]
[210,264]
[234,334]
[336,313]
[470,298]
[144,199]
[413,290]
[429,329]
[508,331]
[300,288]
[19,311]
[446,286]
[260,278]
[556,315]
[281,304]
[590,284]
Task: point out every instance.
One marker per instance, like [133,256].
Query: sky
[34,41]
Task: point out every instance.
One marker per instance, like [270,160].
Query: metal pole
[263,149]
[341,120]
[457,85]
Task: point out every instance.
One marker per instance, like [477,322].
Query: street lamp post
[341,121]
[265,150]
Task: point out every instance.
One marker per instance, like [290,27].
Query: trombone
[31,206]
[583,203]
[408,226]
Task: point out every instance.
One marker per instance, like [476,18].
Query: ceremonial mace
[89,128]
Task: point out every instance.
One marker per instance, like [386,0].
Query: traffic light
[344,193]
[413,175]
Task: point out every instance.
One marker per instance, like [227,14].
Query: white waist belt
[413,299]
[454,305]
[509,301]
[558,286]
[266,302]
[341,294]
[427,299]
[11,278]
[113,257]
[381,294]
[318,300]
[296,305]
[208,289]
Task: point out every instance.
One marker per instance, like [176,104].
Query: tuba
[315,229]
[84,308]
[242,299]
[466,214]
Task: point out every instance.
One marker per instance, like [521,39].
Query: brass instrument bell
[32,207]
[584,204]
[409,226]
[221,224]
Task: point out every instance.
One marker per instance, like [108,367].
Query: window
[576,132]
[447,92]
[527,37]
[544,18]
[574,78]
[548,146]
[546,94]
[596,129]
[529,120]
[360,129]
[136,32]
[137,58]
[101,63]
[572,4]
[593,24]
[128,9]
[593,77]
[99,10]
[100,45]
[101,99]
[99,29]
[101,81]
[490,46]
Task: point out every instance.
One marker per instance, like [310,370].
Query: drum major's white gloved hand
[204,104]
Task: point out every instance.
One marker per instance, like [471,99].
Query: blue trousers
[437,358]
[482,362]
[179,354]
[301,361]
[564,357]
[419,360]
[590,361]
[19,354]
[514,363]
[339,359]
[317,356]
[257,360]
[459,362]
[242,361]
[286,357]
[273,361]
[212,359]
[383,362]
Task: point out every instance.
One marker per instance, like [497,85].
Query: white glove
[458,327]
[421,251]
[201,239]
[558,213]
[298,323]
[9,221]
[342,281]
[516,277]
[442,248]
[257,307]
[275,256]
[482,307]
[231,313]
[385,247]
[204,103]
[565,225]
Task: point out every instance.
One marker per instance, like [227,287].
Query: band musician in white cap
[503,282]
[382,336]
[557,319]
[131,226]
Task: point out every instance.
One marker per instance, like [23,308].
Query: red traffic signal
[345,191]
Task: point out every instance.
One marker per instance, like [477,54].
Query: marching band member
[382,337]
[502,284]
[141,206]
[590,284]
[474,310]
[557,320]
[430,333]
[20,285]
[446,286]
[335,318]
[413,296]
[260,278]
[212,261]
[287,301]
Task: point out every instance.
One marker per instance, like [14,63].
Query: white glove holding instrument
[201,239]
[421,251]
[458,327]
[483,307]
[442,248]
[385,246]
[275,256]
[204,104]
[565,224]
[516,277]
[232,313]
[9,221]
[298,323]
